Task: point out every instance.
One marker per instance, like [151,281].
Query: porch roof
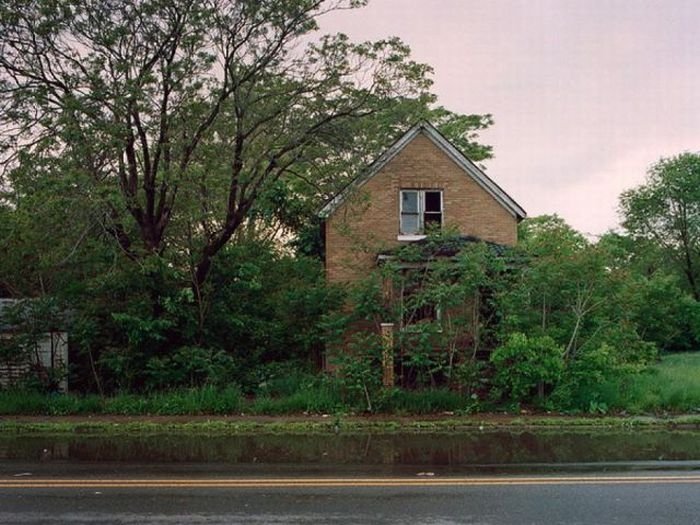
[430,248]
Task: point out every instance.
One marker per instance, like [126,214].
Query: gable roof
[427,129]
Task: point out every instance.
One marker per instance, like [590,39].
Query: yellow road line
[341,482]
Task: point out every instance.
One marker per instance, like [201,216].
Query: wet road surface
[643,498]
[484,478]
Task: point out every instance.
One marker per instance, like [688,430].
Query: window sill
[410,237]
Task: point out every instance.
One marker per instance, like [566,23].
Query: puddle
[485,451]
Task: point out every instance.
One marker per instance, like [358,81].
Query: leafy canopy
[666,210]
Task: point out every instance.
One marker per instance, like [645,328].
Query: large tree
[176,118]
[666,210]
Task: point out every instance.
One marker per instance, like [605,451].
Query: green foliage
[190,366]
[131,330]
[629,348]
[441,294]
[583,379]
[472,377]
[359,370]
[561,289]
[282,378]
[205,400]
[596,383]
[206,118]
[266,306]
[174,174]
[668,386]
[28,323]
[421,355]
[662,311]
[428,401]
[141,331]
[525,367]
[315,395]
[549,236]
[666,210]
[36,402]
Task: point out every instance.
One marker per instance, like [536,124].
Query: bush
[625,346]
[190,366]
[526,367]
[359,370]
[472,377]
[586,381]
[279,379]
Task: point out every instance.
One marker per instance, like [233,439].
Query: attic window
[421,211]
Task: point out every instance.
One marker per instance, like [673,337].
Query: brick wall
[368,222]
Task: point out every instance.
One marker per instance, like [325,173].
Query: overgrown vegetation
[185,156]
[670,386]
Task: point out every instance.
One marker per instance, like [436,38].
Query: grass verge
[672,386]
[346,425]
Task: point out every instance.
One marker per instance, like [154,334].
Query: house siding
[368,221]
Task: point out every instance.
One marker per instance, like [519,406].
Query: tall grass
[431,401]
[296,392]
[672,385]
[314,400]
[206,400]
[35,403]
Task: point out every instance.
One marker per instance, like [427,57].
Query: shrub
[472,377]
[359,370]
[586,381]
[625,346]
[279,379]
[190,366]
[525,367]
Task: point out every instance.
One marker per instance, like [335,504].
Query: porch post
[387,354]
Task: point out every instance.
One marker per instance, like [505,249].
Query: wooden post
[388,354]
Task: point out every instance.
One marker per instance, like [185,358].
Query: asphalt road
[626,498]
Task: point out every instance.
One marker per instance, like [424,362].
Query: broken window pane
[433,201]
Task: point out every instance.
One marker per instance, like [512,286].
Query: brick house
[421,180]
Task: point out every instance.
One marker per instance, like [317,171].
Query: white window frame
[421,212]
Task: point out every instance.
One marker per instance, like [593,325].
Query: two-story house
[419,184]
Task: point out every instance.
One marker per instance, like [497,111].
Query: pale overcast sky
[586,94]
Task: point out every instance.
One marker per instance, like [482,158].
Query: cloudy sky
[586,94]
